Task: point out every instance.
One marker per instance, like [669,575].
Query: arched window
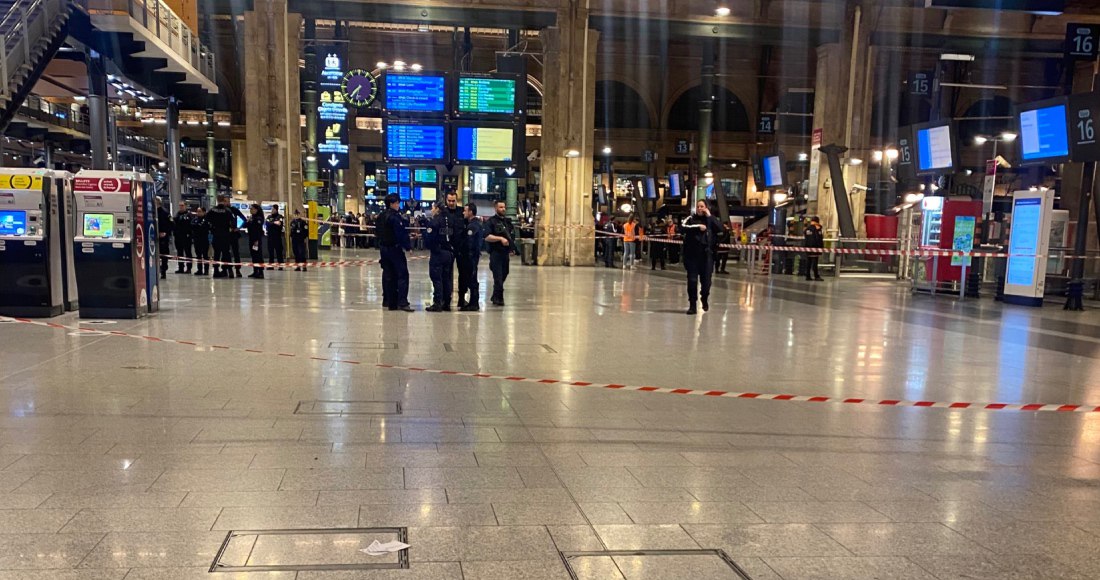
[729,112]
[619,106]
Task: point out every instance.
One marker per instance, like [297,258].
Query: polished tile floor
[132,459]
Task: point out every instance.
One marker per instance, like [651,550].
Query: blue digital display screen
[773,171]
[13,223]
[1043,133]
[397,175]
[674,185]
[1023,243]
[484,144]
[416,142]
[416,93]
[425,176]
[650,188]
[405,192]
[934,149]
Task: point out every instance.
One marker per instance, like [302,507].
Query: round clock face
[359,87]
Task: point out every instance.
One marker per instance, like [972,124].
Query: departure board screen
[416,141]
[484,144]
[1044,133]
[486,95]
[425,175]
[394,175]
[414,93]
[935,148]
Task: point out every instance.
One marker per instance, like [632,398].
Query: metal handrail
[17,28]
[159,19]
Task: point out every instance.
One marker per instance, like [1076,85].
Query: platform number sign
[905,152]
[920,84]
[1084,123]
[683,147]
[766,124]
[1081,41]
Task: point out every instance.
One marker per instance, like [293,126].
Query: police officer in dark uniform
[299,237]
[393,234]
[235,245]
[502,243]
[815,238]
[164,236]
[468,259]
[700,232]
[442,234]
[222,225]
[255,229]
[181,229]
[200,235]
[276,248]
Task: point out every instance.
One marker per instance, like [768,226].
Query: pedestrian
[222,225]
[631,230]
[471,255]
[181,229]
[200,236]
[670,233]
[239,221]
[276,245]
[722,252]
[299,237]
[610,240]
[815,238]
[441,241]
[658,249]
[700,237]
[255,228]
[501,245]
[394,238]
[164,236]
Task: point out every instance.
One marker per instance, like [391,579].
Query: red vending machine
[958,224]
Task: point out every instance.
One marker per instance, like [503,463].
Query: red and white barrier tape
[1027,407]
[322,264]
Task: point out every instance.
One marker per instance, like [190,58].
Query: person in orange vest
[631,231]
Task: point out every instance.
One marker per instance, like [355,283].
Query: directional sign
[313,184]
[766,124]
[1081,41]
[332,112]
[1084,118]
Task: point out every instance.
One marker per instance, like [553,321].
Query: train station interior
[890,206]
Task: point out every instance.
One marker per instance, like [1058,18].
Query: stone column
[238,153]
[272,103]
[211,161]
[842,111]
[175,176]
[97,108]
[565,229]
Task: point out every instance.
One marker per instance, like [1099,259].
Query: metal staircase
[31,32]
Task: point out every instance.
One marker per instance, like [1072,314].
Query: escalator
[31,32]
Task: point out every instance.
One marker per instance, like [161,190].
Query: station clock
[359,87]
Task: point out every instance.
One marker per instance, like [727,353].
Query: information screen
[416,142]
[1023,245]
[13,223]
[415,93]
[395,175]
[1043,134]
[425,193]
[486,95]
[773,171]
[425,176]
[674,186]
[484,144]
[404,192]
[99,225]
[934,148]
[650,188]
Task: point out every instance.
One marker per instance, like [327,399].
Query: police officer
[164,236]
[393,233]
[276,248]
[222,225]
[255,229]
[235,244]
[502,243]
[299,236]
[468,260]
[181,228]
[700,232]
[441,237]
[815,238]
[200,235]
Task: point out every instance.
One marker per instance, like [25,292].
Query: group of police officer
[453,236]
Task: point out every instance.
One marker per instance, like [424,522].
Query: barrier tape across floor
[287,264]
[1026,407]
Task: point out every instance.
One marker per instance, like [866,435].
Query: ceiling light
[722,11]
[957,57]
[979,140]
[381,65]
[1008,136]
[855,161]
[607,150]
[311,158]
[416,67]
[572,153]
[223,123]
[803,156]
[733,165]
[876,155]
[891,154]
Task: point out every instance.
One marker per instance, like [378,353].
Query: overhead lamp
[876,156]
[891,154]
[340,184]
[416,67]
[607,150]
[161,164]
[733,165]
[223,123]
[626,208]
[722,10]
[855,161]
[382,65]
[980,140]
[311,158]
[912,198]
[399,65]
[572,153]
[803,156]
[951,56]
[1008,136]
[779,197]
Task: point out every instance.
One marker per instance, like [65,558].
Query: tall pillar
[706,113]
[309,100]
[338,176]
[272,103]
[565,227]
[211,161]
[511,196]
[97,108]
[175,178]
[842,112]
[238,155]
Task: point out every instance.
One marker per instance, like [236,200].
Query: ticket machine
[115,244]
[37,277]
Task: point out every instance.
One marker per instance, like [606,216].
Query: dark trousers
[700,267]
[609,252]
[183,250]
[164,247]
[472,284]
[276,250]
[441,265]
[657,252]
[811,266]
[498,264]
[235,248]
[467,269]
[202,252]
[223,253]
[395,278]
[720,261]
[299,247]
[256,254]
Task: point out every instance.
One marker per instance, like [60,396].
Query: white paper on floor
[377,548]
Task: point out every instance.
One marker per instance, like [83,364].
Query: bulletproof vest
[389,237]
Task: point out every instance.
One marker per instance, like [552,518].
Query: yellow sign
[313,184]
[8,181]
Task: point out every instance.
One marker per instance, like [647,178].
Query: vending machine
[36,258]
[115,244]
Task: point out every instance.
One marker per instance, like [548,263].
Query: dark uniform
[164,245]
[222,225]
[299,237]
[276,247]
[499,255]
[815,238]
[699,249]
[394,240]
[200,235]
[468,260]
[235,244]
[255,228]
[442,238]
[181,229]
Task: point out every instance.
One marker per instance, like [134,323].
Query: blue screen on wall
[416,142]
[1043,133]
[416,93]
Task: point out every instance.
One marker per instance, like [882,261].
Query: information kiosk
[35,243]
[115,244]
[1028,245]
